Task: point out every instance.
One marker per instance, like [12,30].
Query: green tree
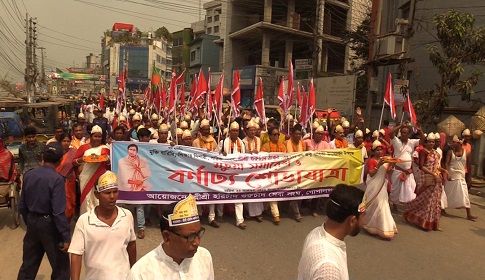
[461,44]
[359,42]
[163,32]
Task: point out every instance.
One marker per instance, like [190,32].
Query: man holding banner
[252,144]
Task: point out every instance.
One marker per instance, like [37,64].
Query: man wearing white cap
[252,145]
[349,136]
[132,133]
[207,142]
[154,128]
[90,112]
[316,143]
[230,146]
[403,183]
[179,256]
[339,142]
[104,236]
[358,143]
[186,138]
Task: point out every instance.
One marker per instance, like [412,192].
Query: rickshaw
[9,198]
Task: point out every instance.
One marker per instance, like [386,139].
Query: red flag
[201,85]
[182,99]
[209,101]
[290,89]
[281,98]
[298,96]
[163,95]
[259,101]
[121,93]
[408,107]
[172,92]
[312,102]
[101,101]
[236,95]
[389,96]
[304,109]
[193,94]
[218,98]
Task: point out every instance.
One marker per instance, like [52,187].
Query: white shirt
[255,144]
[364,151]
[157,265]
[404,151]
[103,247]
[323,257]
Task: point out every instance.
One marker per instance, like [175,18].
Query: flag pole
[382,113]
[402,116]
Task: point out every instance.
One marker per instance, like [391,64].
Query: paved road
[265,251]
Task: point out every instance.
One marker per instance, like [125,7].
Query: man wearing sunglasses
[324,251]
[179,256]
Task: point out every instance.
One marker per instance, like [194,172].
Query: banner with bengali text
[161,174]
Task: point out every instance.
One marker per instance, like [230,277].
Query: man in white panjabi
[133,171]
[179,256]
[403,183]
[252,143]
[324,253]
[232,145]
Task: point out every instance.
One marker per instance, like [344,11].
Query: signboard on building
[336,92]
[303,64]
[399,87]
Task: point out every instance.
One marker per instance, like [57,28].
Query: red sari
[66,170]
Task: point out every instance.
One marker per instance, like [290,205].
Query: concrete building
[204,53]
[141,51]
[260,37]
[181,50]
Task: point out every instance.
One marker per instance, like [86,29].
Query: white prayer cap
[184,125]
[204,122]
[343,119]
[96,129]
[431,136]
[376,144]
[256,125]
[339,128]
[257,120]
[234,125]
[186,134]
[140,127]
[455,138]
[375,133]
[187,117]
[80,116]
[163,127]
[346,124]
[136,117]
[154,116]
[132,112]
[315,124]
[382,131]
[289,117]
[179,131]
[437,136]
[266,120]
[319,129]
[367,131]
[359,133]
[122,118]
[251,123]
[466,132]
[143,108]
[160,121]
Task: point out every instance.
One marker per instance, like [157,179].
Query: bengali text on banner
[160,174]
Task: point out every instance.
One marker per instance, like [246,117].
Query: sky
[71,29]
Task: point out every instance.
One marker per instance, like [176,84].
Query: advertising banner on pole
[160,174]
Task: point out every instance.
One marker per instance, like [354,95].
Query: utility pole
[27,59]
[42,71]
[31,71]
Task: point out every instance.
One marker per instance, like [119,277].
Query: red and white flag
[259,101]
[172,93]
[408,107]
[218,98]
[290,89]
[282,100]
[312,101]
[389,96]
[121,93]
[303,108]
[236,95]
[182,99]
[193,95]
[209,100]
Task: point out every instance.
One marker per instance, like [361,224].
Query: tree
[460,44]
[359,42]
[163,32]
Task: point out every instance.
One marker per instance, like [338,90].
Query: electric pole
[31,71]
[42,71]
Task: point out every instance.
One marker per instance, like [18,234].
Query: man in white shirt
[324,251]
[252,145]
[179,256]
[403,183]
[104,236]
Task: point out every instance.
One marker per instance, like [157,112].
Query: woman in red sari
[7,164]
[425,209]
[66,170]
[90,171]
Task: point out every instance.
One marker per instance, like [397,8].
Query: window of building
[209,30]
[209,19]
[216,29]
[192,56]
[216,18]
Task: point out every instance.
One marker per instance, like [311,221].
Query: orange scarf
[341,143]
[206,143]
[276,148]
[231,143]
[291,147]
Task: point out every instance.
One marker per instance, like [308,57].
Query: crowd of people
[403,169]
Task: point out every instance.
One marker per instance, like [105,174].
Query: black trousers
[42,238]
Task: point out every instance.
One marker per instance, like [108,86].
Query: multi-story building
[204,54]
[260,38]
[140,51]
[181,50]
